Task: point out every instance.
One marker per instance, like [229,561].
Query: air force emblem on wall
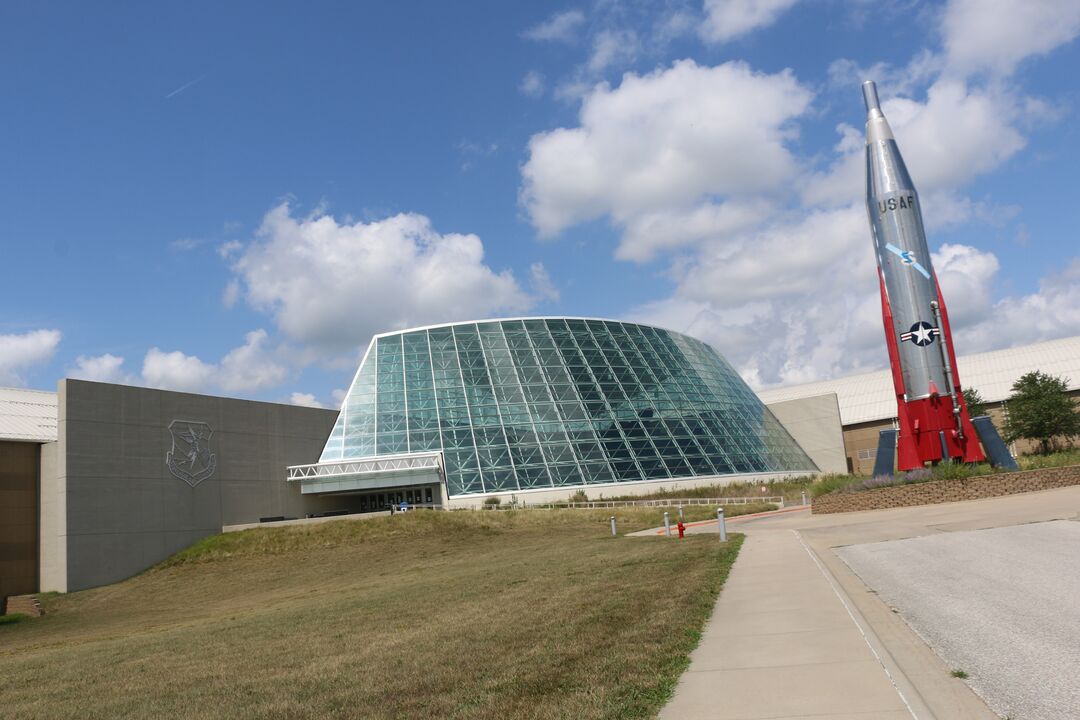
[190,458]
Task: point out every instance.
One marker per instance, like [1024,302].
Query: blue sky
[231,198]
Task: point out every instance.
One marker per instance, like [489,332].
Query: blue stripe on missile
[908,258]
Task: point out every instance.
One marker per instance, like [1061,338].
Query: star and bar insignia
[921,333]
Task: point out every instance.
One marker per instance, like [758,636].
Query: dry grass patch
[428,615]
[790,489]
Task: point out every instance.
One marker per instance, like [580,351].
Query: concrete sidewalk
[782,644]
[796,634]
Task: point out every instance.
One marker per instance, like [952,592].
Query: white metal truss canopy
[372,473]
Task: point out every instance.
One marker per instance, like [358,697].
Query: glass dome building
[517,405]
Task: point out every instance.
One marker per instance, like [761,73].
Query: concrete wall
[52,571]
[18,518]
[860,445]
[814,422]
[117,507]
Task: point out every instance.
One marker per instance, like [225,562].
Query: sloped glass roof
[537,403]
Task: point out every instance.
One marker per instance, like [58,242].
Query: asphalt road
[1002,604]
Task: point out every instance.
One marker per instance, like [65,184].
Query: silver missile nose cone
[877,127]
[869,92]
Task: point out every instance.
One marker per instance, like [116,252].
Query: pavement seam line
[858,625]
[776,667]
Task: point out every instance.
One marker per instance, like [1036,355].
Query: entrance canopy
[369,474]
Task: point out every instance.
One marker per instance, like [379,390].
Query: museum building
[541,405]
[100,481]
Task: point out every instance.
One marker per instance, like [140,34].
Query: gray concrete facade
[111,505]
[815,424]
[52,554]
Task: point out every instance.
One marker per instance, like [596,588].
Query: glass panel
[521,404]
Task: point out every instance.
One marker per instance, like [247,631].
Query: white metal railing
[656,502]
[366,466]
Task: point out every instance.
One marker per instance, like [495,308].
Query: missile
[931,413]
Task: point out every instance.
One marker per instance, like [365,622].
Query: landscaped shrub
[917,475]
[871,483]
[1058,459]
[831,483]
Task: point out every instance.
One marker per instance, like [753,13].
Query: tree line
[1039,409]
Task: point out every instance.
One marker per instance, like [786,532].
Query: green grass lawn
[532,614]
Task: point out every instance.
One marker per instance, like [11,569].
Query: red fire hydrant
[682,528]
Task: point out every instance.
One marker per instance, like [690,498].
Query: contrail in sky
[185,86]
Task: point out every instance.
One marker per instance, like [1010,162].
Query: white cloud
[611,48]
[784,340]
[770,255]
[250,367]
[808,256]
[1051,312]
[542,286]
[333,284]
[664,142]
[560,27]
[231,293]
[532,85]
[804,319]
[176,371]
[648,234]
[995,37]
[963,128]
[847,75]
[966,275]
[575,88]
[243,369]
[185,244]
[672,26]
[107,368]
[791,302]
[955,135]
[23,351]
[728,19]
[228,249]
[470,151]
[304,399]
[338,395]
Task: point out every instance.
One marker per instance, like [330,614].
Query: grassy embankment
[522,614]
[790,488]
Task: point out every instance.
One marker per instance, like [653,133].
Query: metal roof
[869,396]
[515,319]
[27,415]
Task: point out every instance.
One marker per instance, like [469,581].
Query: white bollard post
[680,513]
[667,525]
[613,533]
[804,497]
[721,523]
